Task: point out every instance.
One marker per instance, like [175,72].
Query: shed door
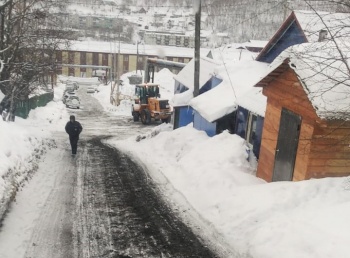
[287,144]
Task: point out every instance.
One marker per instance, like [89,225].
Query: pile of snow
[210,184]
[212,177]
[23,142]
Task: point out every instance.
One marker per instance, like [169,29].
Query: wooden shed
[306,131]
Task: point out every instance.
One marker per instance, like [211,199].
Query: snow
[322,69]
[207,71]
[214,178]
[312,23]
[255,43]
[254,101]
[181,99]
[150,50]
[80,80]
[237,80]
[232,53]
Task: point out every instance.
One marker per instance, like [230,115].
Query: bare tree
[27,48]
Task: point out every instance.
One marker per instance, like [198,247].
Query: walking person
[73,129]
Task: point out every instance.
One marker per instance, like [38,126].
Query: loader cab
[145,91]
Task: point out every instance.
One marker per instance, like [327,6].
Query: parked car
[73,102]
[75,85]
[66,94]
[91,89]
[70,87]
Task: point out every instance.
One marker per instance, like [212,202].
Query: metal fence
[23,107]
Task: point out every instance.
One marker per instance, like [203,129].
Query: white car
[70,87]
[66,94]
[91,89]
[73,102]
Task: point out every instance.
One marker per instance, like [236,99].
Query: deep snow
[246,214]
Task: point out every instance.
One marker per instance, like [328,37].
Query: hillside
[236,19]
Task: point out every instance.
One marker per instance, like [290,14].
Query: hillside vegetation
[241,19]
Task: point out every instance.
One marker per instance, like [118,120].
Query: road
[101,203]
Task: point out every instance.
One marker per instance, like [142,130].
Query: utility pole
[197,42]
[137,56]
[112,72]
[118,75]
[115,72]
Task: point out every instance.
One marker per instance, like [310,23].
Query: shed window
[251,128]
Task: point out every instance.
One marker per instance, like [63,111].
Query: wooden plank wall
[268,142]
[285,91]
[303,151]
[330,150]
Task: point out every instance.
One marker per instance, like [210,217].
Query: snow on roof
[207,70]
[39,91]
[323,74]
[255,43]
[231,53]
[254,101]
[337,24]
[150,50]
[206,33]
[238,78]
[222,34]
[181,99]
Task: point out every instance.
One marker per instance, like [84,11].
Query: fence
[23,107]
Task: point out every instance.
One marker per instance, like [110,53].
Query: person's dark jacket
[73,129]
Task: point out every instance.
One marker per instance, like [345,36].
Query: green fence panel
[23,107]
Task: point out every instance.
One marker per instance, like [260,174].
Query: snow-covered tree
[28,43]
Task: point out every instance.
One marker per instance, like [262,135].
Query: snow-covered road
[97,204]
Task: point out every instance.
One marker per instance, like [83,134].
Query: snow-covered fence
[23,107]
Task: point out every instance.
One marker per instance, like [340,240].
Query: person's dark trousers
[74,144]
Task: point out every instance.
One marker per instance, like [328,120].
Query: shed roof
[238,78]
[232,52]
[323,70]
[310,24]
[254,101]
[255,43]
[208,68]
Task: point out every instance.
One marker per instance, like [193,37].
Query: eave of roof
[273,73]
[279,34]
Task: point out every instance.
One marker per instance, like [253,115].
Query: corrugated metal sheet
[182,116]
[201,124]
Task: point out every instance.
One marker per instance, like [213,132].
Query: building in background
[83,58]
[178,39]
